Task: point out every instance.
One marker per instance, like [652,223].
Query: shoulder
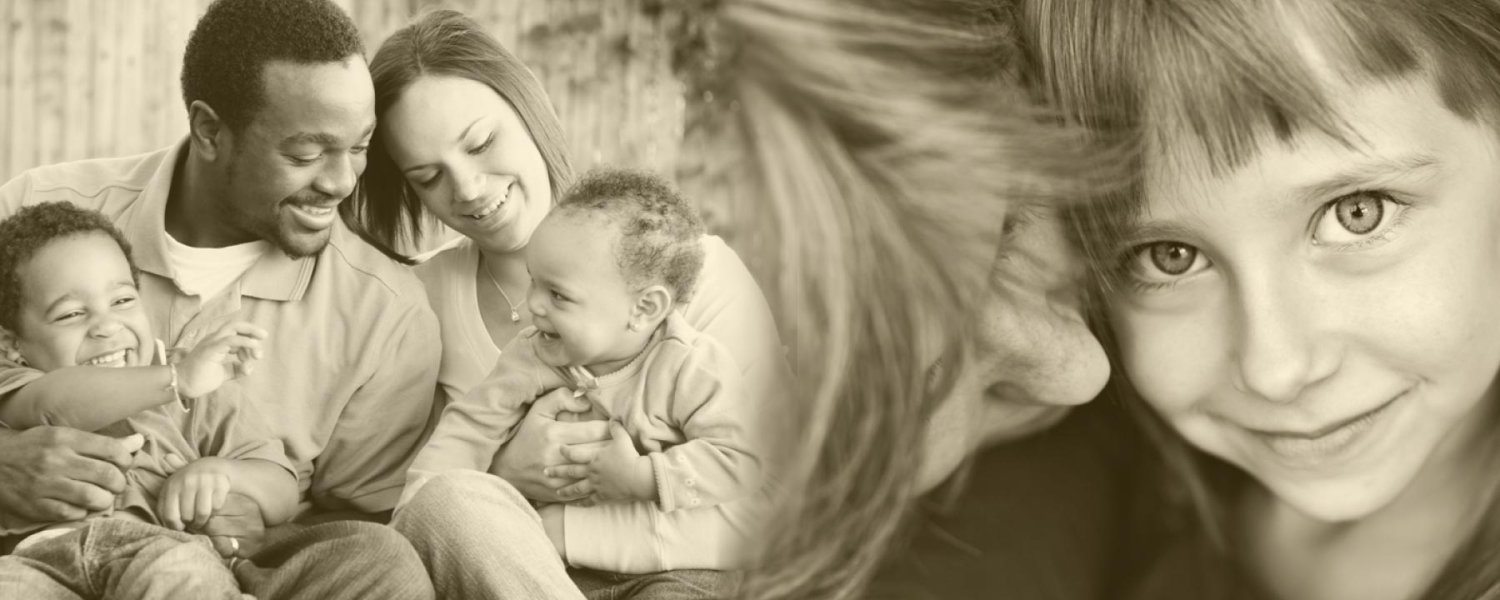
[448,264]
[719,257]
[91,178]
[683,345]
[359,268]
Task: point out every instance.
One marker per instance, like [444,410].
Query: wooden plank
[21,51]
[8,95]
[101,80]
[78,50]
[130,84]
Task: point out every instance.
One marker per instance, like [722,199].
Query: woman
[892,153]
[466,135]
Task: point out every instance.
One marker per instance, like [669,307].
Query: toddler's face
[79,306]
[1325,316]
[579,301]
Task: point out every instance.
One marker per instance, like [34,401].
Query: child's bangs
[1230,75]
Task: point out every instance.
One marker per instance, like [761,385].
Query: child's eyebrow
[1364,173]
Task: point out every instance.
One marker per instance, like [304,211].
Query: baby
[80,352]
[609,266]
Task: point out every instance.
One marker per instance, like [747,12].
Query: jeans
[332,561]
[481,539]
[116,558]
[681,584]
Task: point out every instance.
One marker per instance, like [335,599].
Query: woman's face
[1033,356]
[470,159]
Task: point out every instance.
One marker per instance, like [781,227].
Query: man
[240,221]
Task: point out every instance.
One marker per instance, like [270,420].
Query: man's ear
[207,132]
[10,347]
[651,307]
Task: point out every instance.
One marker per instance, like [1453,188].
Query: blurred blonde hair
[877,148]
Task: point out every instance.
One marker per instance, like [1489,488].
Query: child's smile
[81,307]
[1323,315]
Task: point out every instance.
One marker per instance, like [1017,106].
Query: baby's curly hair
[659,231]
[226,55]
[31,229]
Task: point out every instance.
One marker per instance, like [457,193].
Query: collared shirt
[350,366]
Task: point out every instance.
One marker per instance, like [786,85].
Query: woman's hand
[618,473]
[536,449]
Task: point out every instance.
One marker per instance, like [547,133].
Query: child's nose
[535,301]
[106,327]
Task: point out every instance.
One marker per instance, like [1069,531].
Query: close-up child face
[1323,315]
[579,300]
[79,306]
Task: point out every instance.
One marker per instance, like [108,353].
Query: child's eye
[1160,263]
[1355,217]
[559,297]
[303,161]
[125,301]
[68,316]
[482,147]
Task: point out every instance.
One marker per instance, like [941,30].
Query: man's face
[301,153]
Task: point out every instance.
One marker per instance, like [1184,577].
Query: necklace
[515,315]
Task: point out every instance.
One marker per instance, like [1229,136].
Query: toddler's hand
[236,345]
[619,473]
[194,493]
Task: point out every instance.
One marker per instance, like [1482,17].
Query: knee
[454,494]
[383,557]
[450,505]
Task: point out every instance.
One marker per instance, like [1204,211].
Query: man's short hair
[226,55]
[31,229]
[659,231]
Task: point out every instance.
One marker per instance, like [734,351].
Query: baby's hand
[194,493]
[619,473]
[202,370]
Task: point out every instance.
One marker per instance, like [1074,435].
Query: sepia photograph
[749,299]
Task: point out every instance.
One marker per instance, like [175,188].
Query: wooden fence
[97,78]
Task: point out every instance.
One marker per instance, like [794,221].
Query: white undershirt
[207,272]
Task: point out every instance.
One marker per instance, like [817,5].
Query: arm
[69,397]
[195,492]
[364,462]
[720,461]
[472,429]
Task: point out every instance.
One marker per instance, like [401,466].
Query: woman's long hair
[877,146]
[447,43]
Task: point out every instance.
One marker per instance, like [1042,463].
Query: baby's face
[579,301]
[1325,316]
[79,306]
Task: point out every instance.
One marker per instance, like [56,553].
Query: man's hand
[537,445]
[50,474]
[236,528]
[194,493]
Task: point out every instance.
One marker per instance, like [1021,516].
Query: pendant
[515,317]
